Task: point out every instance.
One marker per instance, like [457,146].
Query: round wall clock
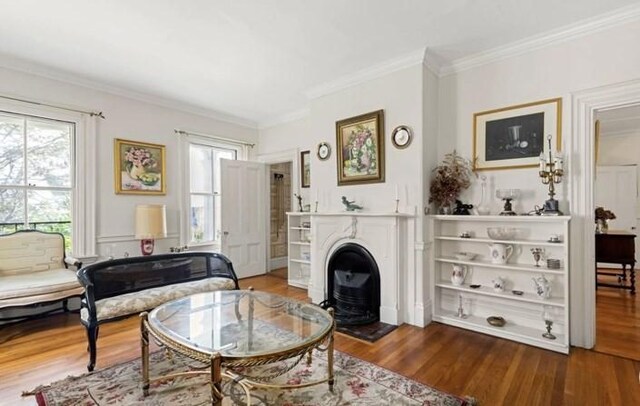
[324,151]
[401,136]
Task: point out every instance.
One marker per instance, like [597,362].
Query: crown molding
[585,27]
[284,118]
[18,65]
[620,133]
[365,75]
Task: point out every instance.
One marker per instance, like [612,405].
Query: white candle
[316,195]
[397,197]
[559,162]
[543,163]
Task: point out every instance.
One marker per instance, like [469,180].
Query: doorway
[280,181]
[617,215]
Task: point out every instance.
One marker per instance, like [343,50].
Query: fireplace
[353,285]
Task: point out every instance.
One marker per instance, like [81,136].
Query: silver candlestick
[316,209]
[397,203]
[460,313]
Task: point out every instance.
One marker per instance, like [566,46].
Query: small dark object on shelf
[496,321]
[462,209]
[517,292]
[474,286]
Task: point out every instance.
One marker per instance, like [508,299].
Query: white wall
[559,70]
[621,150]
[129,119]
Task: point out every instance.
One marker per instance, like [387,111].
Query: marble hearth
[389,237]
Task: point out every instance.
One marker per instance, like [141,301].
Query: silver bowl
[501,233]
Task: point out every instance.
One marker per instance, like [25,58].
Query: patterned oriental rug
[357,383]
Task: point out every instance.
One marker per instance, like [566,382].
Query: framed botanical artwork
[305,168]
[139,168]
[360,149]
[514,137]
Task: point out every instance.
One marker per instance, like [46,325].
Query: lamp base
[146,246]
[551,208]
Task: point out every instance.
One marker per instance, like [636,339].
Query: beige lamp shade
[151,221]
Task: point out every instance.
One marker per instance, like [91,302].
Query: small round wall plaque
[401,136]
[324,151]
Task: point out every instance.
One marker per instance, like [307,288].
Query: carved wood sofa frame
[119,288]
[34,272]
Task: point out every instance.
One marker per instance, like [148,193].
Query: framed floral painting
[139,168]
[360,149]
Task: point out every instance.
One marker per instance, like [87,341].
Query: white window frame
[185,144]
[83,152]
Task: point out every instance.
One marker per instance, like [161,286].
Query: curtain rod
[229,140]
[91,113]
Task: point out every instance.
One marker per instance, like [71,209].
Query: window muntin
[36,174]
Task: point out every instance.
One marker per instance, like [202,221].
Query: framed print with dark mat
[514,137]
[305,169]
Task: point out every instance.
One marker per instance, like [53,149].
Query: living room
[264,83]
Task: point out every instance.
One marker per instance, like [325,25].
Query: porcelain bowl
[501,233]
[464,256]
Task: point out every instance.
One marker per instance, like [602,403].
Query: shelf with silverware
[503,275]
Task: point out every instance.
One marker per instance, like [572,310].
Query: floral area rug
[357,382]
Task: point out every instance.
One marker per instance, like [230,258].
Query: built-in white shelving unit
[299,224]
[523,313]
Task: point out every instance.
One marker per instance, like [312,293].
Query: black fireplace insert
[353,285]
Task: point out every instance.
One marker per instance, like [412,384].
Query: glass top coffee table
[231,330]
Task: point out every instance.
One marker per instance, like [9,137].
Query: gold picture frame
[513,137]
[360,149]
[139,168]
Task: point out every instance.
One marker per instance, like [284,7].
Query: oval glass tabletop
[241,323]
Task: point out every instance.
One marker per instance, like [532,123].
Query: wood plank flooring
[617,321]
[494,371]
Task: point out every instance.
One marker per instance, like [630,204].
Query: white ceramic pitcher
[458,274]
[500,253]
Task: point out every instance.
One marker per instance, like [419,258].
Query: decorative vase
[135,172]
[601,226]
[445,210]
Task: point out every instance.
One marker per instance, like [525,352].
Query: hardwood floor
[461,362]
[617,321]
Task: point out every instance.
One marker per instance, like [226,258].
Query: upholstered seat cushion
[136,302]
[37,283]
[28,288]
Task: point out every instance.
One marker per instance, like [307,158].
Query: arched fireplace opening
[353,285]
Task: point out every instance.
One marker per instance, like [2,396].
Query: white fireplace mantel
[386,236]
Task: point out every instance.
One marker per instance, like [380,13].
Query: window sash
[217,151]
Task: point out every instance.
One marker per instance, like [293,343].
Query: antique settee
[35,271]
[119,288]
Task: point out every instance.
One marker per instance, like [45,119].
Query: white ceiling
[621,121]
[255,59]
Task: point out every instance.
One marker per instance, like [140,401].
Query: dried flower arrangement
[602,214]
[451,177]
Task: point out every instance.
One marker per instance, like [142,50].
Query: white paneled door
[617,190]
[243,209]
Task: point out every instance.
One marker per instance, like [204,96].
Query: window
[204,190]
[36,174]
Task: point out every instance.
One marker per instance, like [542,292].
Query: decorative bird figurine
[350,206]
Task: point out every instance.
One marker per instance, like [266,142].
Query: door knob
[225,233]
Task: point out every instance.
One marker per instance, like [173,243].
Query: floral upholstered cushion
[136,302]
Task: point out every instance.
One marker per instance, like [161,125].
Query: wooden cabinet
[518,303]
[299,234]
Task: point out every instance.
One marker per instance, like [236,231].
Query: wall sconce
[151,224]
[551,172]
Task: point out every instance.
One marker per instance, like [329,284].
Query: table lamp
[151,223]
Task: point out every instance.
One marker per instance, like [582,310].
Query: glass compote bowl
[507,195]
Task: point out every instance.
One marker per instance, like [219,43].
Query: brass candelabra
[551,172]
